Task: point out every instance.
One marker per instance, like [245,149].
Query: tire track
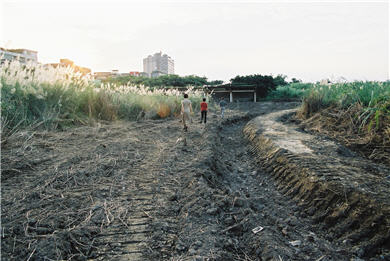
[132,191]
[126,238]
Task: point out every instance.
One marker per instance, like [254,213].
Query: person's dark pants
[203,115]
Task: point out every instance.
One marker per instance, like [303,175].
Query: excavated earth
[252,186]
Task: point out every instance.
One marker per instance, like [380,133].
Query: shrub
[291,91]
[372,98]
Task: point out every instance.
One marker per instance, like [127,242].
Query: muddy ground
[134,191]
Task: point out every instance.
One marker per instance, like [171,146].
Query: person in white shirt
[186,110]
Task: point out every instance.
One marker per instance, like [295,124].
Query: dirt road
[134,191]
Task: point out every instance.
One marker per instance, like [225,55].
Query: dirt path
[133,191]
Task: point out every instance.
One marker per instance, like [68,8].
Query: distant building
[135,73]
[115,72]
[21,55]
[70,63]
[102,75]
[158,64]
[149,64]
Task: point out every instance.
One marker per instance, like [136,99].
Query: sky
[307,40]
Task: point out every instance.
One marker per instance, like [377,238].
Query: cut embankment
[344,193]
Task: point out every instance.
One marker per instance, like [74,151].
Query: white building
[158,64]
[22,55]
[167,64]
[148,65]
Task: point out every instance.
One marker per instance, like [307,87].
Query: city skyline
[308,40]
[24,55]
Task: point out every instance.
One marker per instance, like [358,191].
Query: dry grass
[59,97]
[358,128]
[358,114]
[164,111]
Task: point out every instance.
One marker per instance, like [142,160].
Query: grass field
[35,95]
[291,91]
[372,95]
[373,98]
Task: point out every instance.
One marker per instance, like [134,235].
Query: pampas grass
[34,94]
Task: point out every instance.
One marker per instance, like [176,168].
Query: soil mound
[345,194]
[361,131]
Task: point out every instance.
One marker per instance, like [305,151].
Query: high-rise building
[158,64]
[148,65]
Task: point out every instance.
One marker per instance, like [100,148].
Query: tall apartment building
[158,64]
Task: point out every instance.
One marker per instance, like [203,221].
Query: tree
[215,82]
[294,80]
[280,80]
[264,83]
[161,81]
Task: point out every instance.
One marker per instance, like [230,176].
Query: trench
[231,209]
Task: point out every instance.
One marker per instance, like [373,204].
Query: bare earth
[134,191]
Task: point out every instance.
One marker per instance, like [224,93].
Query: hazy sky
[309,40]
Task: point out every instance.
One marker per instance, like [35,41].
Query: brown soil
[353,129]
[134,191]
[345,194]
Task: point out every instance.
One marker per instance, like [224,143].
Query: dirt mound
[344,193]
[361,131]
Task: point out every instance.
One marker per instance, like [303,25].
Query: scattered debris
[295,243]
[257,229]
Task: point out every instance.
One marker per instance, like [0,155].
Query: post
[231,96]
[254,96]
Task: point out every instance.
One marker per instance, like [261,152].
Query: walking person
[203,111]
[222,105]
[186,110]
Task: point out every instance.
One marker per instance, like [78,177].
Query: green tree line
[164,80]
[264,83]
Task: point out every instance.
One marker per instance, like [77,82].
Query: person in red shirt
[203,111]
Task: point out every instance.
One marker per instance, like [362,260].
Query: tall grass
[367,104]
[370,99]
[291,91]
[370,95]
[35,95]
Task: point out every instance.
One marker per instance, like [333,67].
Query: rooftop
[17,50]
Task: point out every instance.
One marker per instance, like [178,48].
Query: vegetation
[162,81]
[357,113]
[57,97]
[293,90]
[370,101]
[264,83]
[373,96]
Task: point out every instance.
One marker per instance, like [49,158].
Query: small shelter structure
[233,92]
